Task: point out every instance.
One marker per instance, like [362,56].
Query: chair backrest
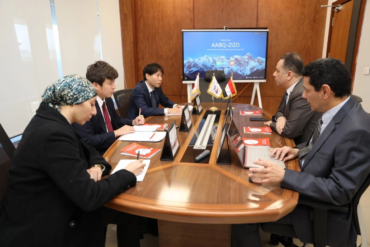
[6,155]
[356,201]
[122,98]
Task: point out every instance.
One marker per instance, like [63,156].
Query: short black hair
[99,71]
[293,62]
[151,69]
[330,71]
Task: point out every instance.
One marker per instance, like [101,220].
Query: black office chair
[6,155]
[122,98]
[204,84]
[285,233]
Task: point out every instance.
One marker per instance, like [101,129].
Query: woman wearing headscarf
[56,195]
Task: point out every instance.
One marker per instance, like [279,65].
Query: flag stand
[213,108]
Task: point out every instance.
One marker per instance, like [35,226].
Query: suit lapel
[146,92]
[291,96]
[337,119]
[100,117]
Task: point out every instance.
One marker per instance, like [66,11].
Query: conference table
[196,203]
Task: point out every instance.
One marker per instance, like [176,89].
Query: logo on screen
[232,63]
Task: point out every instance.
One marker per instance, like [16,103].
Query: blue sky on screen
[199,44]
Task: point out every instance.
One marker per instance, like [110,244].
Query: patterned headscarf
[69,90]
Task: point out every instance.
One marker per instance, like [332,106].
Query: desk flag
[230,89]
[214,88]
[195,91]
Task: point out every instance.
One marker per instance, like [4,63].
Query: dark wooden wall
[151,32]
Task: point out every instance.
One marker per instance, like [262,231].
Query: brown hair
[99,71]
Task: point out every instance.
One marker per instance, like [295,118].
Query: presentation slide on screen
[242,54]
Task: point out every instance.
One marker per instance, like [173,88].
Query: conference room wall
[28,50]
[151,32]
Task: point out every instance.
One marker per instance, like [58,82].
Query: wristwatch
[102,167]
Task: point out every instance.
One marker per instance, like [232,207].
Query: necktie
[316,133]
[286,98]
[106,117]
[154,104]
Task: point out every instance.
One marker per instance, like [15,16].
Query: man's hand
[139,120]
[280,123]
[285,153]
[124,130]
[268,123]
[269,173]
[176,110]
[177,106]
[95,173]
[135,167]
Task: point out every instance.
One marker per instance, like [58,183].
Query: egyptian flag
[230,88]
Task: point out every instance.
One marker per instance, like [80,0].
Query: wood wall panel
[294,25]
[220,13]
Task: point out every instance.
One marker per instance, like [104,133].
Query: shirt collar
[290,89]
[328,115]
[100,101]
[149,88]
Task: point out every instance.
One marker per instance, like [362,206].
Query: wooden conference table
[196,203]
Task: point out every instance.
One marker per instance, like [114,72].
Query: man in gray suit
[335,160]
[294,118]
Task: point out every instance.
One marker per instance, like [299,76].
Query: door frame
[354,32]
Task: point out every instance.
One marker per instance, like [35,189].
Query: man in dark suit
[294,118]
[103,128]
[148,94]
[335,160]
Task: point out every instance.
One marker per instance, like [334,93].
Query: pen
[139,111]
[138,155]
[152,136]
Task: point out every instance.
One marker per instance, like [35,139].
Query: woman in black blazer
[55,194]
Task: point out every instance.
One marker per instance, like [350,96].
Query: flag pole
[213,108]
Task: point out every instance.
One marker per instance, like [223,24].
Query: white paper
[123,163]
[146,128]
[143,137]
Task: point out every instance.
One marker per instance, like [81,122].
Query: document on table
[123,163]
[143,137]
[253,153]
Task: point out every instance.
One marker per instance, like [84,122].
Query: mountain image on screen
[242,67]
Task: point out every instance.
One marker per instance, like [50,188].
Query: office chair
[122,98]
[6,155]
[285,233]
[204,84]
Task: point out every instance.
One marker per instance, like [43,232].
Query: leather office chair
[122,98]
[204,84]
[6,155]
[285,233]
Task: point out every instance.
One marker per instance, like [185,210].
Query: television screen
[239,52]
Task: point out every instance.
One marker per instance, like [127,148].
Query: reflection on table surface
[205,192]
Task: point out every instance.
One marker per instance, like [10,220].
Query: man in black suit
[148,94]
[335,160]
[103,128]
[294,118]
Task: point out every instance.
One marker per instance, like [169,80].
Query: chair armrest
[322,205]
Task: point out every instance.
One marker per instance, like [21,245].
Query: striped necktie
[107,118]
[316,133]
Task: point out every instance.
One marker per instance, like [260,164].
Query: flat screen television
[241,52]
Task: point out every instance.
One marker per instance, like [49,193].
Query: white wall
[361,86]
[28,50]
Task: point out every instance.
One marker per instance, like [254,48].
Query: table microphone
[202,155]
